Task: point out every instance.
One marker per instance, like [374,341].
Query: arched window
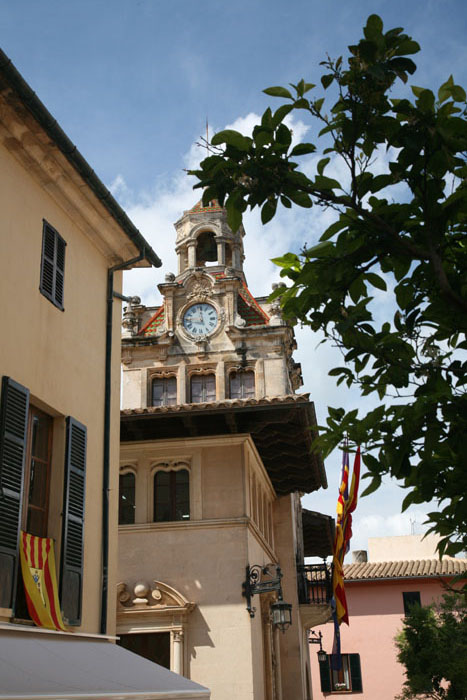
[171,495]
[203,388]
[126,499]
[206,248]
[242,385]
[164,391]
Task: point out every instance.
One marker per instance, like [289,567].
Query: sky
[132,83]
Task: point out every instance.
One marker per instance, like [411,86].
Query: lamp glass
[281,615]
[322,655]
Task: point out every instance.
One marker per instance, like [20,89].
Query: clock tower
[210,339]
[215,452]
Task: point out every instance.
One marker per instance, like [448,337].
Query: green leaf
[375,484]
[283,135]
[300,198]
[374,27]
[278,92]
[280,113]
[231,138]
[268,211]
[234,215]
[302,149]
[326,80]
[376,281]
[322,164]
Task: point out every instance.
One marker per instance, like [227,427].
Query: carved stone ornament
[157,596]
[199,292]
[127,357]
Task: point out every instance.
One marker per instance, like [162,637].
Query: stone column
[220,381]
[260,385]
[221,252]
[180,261]
[176,664]
[192,254]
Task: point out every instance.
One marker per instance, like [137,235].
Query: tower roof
[200,208]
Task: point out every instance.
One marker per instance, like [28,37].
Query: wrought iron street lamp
[316,638]
[266,579]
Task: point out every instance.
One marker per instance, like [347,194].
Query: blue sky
[132,81]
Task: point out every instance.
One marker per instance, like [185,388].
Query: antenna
[207,135]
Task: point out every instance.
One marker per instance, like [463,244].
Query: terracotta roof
[249,309]
[419,568]
[154,322]
[212,206]
[282,428]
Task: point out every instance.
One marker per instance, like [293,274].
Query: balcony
[314,593]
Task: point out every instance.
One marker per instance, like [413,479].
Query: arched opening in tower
[206,248]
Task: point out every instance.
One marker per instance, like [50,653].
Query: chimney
[359,556]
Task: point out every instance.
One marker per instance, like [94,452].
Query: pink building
[378,594]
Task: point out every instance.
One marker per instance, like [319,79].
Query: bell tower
[210,339]
[204,240]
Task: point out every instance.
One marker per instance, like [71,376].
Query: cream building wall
[229,525]
[59,355]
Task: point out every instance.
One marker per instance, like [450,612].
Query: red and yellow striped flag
[346,504]
[40,581]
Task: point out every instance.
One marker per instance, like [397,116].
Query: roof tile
[421,568]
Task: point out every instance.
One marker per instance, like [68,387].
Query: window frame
[202,376]
[27,506]
[241,373]
[164,379]
[170,469]
[52,274]
[125,471]
[409,599]
[353,671]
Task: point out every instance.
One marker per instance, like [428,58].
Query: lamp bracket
[261,579]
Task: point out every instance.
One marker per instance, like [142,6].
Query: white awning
[61,667]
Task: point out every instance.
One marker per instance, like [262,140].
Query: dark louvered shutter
[71,579]
[13,430]
[325,675]
[355,673]
[52,265]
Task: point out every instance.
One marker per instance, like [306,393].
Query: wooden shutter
[13,429]
[71,579]
[52,265]
[355,673]
[325,675]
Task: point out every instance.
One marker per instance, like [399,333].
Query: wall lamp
[316,638]
[266,579]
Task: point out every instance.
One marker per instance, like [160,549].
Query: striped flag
[40,581]
[346,504]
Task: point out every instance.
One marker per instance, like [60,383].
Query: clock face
[200,319]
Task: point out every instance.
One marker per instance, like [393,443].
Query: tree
[433,647]
[399,229]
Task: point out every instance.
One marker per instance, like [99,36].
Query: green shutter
[355,673]
[13,430]
[71,579]
[325,675]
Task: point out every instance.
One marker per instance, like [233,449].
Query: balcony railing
[314,584]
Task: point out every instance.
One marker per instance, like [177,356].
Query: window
[35,506]
[153,646]
[126,499]
[410,599]
[242,385]
[171,495]
[164,391]
[52,265]
[348,678]
[203,388]
[25,467]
